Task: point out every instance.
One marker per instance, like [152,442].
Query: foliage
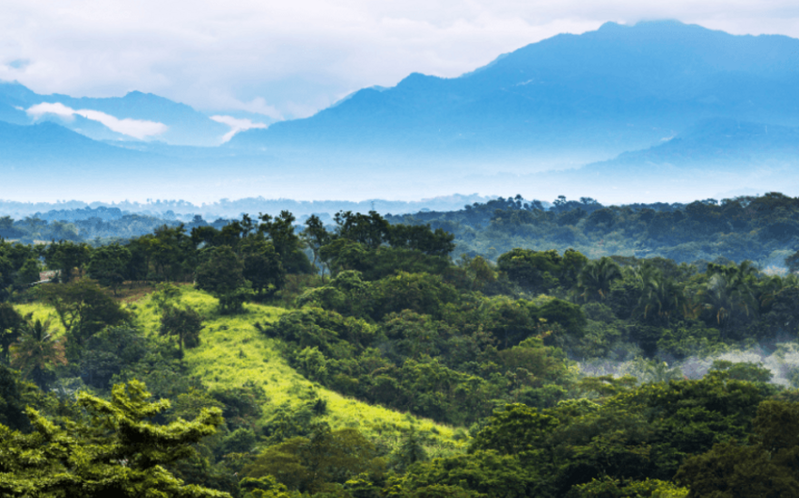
[183,323]
[322,390]
[221,274]
[83,309]
[120,454]
[311,464]
[37,352]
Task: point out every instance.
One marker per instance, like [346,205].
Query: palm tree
[730,291]
[37,351]
[596,277]
[660,296]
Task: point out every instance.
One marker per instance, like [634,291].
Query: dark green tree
[10,322]
[68,258]
[316,236]
[286,241]
[595,279]
[84,309]
[184,324]
[108,265]
[222,274]
[37,352]
[262,266]
[27,274]
[170,252]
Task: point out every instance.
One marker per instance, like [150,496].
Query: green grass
[233,352]
[42,311]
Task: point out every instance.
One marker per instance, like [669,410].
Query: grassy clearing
[233,352]
[41,311]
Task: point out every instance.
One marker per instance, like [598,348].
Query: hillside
[233,353]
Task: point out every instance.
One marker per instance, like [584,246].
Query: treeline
[761,229]
[95,228]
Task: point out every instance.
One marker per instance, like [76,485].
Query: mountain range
[181,124]
[620,104]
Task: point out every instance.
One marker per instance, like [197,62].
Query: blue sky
[280,60]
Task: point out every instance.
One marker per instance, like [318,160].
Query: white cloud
[56,109]
[283,58]
[236,125]
[136,128]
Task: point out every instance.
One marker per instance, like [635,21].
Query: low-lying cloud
[236,125]
[136,128]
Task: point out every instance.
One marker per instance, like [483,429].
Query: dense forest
[506,350]
[763,229]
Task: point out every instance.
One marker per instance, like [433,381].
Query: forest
[504,350]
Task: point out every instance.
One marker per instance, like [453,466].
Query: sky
[269,60]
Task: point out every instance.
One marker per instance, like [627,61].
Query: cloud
[284,58]
[56,109]
[136,128]
[236,125]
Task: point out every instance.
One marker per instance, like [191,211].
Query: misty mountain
[724,145]
[50,161]
[184,125]
[650,107]
[594,95]
[713,156]
[47,145]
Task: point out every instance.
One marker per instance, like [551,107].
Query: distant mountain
[592,96]
[51,162]
[656,109]
[718,155]
[723,145]
[183,124]
[48,148]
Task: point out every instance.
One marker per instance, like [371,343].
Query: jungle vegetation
[257,358]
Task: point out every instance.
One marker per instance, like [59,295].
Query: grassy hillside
[233,352]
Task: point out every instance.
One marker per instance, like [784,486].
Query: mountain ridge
[185,125]
[623,97]
[537,88]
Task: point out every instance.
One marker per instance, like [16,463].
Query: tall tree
[262,266]
[68,258]
[10,322]
[183,323]
[222,274]
[661,298]
[316,236]
[108,265]
[37,351]
[171,253]
[84,309]
[596,277]
[287,242]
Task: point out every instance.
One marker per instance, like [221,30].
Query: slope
[233,352]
